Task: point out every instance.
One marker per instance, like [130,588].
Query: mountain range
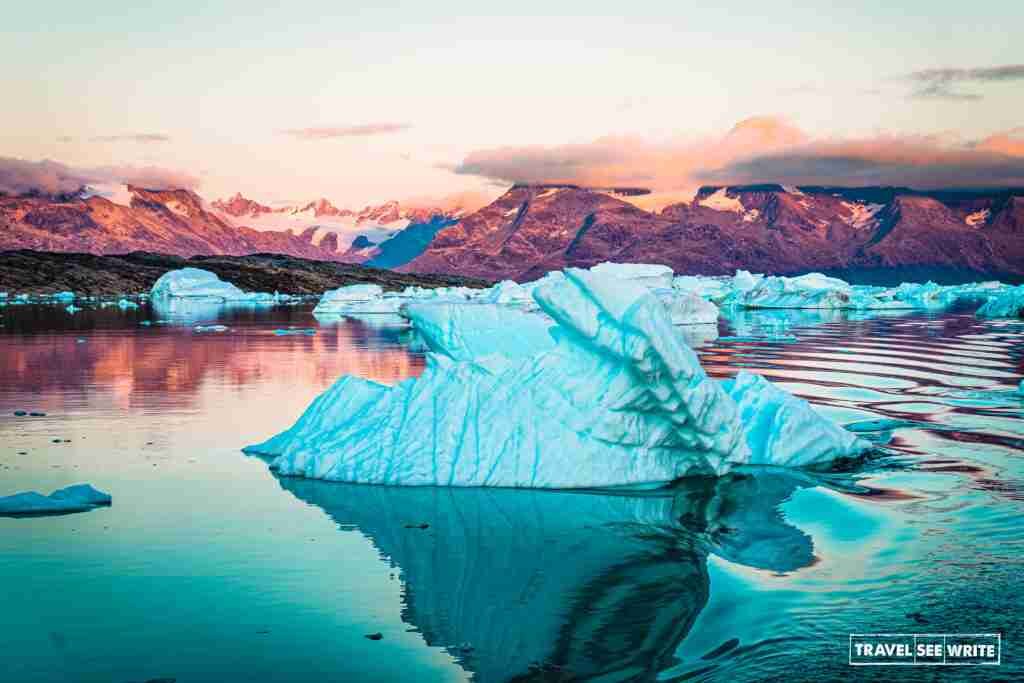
[179,222]
[530,229]
[767,228]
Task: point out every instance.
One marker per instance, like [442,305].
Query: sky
[366,102]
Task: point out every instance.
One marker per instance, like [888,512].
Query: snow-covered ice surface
[617,399]
[1008,303]
[77,498]
[195,283]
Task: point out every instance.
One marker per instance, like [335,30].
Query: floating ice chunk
[711,288]
[687,309]
[1006,304]
[64,296]
[125,304]
[507,293]
[295,331]
[77,498]
[743,280]
[195,282]
[357,299]
[812,290]
[210,328]
[617,400]
[71,308]
[648,274]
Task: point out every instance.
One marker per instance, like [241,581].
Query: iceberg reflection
[529,584]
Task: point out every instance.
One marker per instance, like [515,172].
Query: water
[208,568]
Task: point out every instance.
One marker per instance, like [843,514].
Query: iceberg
[1006,304]
[77,498]
[195,283]
[350,299]
[648,274]
[614,399]
[809,291]
[64,296]
[685,308]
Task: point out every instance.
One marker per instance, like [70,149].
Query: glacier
[596,390]
[77,498]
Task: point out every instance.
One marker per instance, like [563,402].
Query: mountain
[769,228]
[179,222]
[239,206]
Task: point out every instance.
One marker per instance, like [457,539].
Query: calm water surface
[209,568]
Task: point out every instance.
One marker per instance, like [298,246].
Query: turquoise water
[209,568]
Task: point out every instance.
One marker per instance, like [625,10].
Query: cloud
[629,160]
[132,137]
[20,176]
[761,150]
[941,83]
[363,130]
[921,162]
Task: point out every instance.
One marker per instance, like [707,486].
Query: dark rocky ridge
[35,272]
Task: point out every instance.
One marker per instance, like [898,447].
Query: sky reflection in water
[208,568]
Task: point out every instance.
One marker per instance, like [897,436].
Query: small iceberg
[610,396]
[77,498]
[195,283]
[191,294]
[295,331]
[209,328]
[1006,304]
[650,275]
[71,308]
[64,296]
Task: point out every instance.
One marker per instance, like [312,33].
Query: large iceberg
[614,399]
[77,498]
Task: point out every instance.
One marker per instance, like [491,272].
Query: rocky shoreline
[38,272]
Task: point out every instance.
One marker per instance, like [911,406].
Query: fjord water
[209,568]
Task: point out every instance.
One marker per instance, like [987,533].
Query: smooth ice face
[202,284]
[1006,304]
[464,331]
[647,274]
[77,498]
[616,400]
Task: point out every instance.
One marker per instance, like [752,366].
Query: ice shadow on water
[549,585]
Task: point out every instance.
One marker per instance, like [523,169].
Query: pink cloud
[20,176]
[761,150]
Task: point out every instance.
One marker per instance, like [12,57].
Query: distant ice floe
[597,389]
[77,498]
[1008,303]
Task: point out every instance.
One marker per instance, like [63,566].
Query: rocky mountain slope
[34,272]
[532,229]
[179,222]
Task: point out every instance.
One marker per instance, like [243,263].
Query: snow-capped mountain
[769,228]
